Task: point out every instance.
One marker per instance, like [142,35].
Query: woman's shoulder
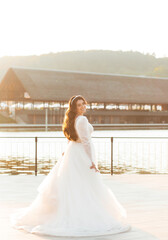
[81,118]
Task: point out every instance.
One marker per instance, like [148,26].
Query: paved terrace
[145,198]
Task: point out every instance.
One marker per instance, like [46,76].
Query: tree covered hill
[102,61]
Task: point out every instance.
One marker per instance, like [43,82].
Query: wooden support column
[90,120]
[46,118]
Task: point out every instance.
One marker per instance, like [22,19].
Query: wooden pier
[145,197]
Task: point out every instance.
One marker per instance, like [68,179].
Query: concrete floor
[145,198]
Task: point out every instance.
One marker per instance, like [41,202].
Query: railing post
[111,155]
[35,156]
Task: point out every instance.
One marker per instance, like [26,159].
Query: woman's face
[80,107]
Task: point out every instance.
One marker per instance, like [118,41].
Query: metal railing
[114,155]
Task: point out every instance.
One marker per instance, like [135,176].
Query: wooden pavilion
[30,95]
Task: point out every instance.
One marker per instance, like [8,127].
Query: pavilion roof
[60,85]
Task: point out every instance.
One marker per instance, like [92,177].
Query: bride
[72,199]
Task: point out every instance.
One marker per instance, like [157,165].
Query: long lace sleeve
[84,135]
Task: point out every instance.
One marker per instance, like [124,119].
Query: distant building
[28,95]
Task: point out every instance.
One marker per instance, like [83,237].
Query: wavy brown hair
[69,118]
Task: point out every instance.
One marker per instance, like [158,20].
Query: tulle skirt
[72,201]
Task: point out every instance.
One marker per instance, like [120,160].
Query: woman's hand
[93,166]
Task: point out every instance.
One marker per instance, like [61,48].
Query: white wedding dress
[72,199]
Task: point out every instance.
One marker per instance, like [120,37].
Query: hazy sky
[34,27]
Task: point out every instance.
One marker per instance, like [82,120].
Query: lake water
[134,151]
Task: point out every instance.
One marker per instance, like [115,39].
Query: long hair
[69,118]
